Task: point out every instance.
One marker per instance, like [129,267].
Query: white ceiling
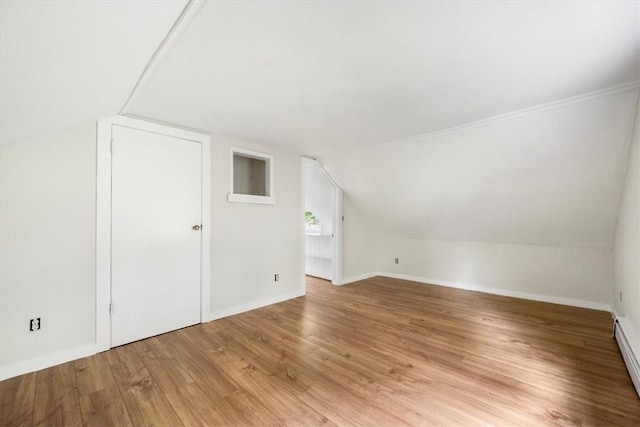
[327,77]
[63,63]
[321,77]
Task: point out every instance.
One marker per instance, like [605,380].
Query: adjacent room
[319,213]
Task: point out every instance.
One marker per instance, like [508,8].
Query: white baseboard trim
[241,308]
[628,355]
[24,367]
[351,279]
[503,292]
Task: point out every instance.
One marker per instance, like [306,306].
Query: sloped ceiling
[332,78]
[321,77]
[551,177]
[63,63]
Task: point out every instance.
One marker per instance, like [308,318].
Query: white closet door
[156,202]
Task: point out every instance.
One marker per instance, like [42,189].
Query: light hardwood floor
[377,352]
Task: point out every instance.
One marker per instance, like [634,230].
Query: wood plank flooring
[376,352]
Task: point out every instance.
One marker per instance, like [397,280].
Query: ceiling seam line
[498,118]
[634,134]
[187,12]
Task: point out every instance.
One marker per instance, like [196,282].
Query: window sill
[248,198]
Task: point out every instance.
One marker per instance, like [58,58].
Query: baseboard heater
[627,354]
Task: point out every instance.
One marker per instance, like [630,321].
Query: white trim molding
[249,198]
[352,279]
[499,291]
[234,197]
[633,85]
[103,217]
[24,367]
[184,19]
[241,308]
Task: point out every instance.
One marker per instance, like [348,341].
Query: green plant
[310,218]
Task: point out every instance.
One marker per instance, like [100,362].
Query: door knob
[196,227]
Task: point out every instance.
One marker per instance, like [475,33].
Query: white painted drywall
[522,205]
[48,244]
[577,276]
[627,248]
[359,252]
[67,63]
[321,77]
[251,242]
[551,177]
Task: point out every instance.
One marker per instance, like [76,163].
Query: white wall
[627,249]
[251,243]
[497,205]
[569,275]
[359,256]
[551,177]
[48,244]
[68,63]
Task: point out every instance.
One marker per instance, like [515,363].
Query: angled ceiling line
[186,16]
[166,123]
[632,135]
[501,117]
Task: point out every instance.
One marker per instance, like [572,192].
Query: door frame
[103,217]
[336,247]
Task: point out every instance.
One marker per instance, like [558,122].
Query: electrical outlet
[397,261]
[34,324]
[276,278]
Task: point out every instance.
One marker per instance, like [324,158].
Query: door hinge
[110,309]
[111,146]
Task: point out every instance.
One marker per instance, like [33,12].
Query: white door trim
[103,218]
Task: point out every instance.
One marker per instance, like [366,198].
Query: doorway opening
[323,224]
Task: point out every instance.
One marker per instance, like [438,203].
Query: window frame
[234,197]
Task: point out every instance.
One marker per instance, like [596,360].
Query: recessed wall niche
[251,177]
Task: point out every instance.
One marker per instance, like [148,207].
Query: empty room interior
[350,213]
